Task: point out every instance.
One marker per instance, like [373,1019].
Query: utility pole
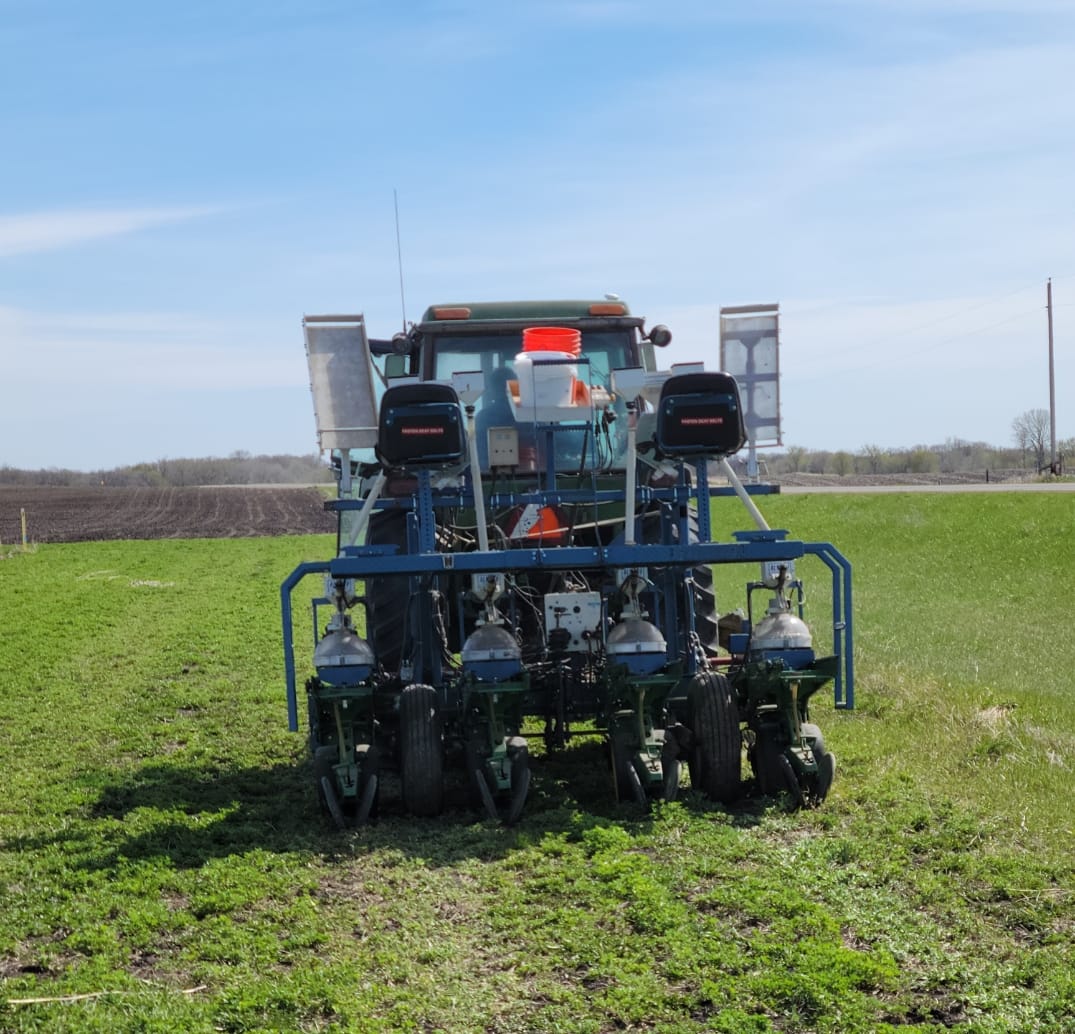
[1053,468]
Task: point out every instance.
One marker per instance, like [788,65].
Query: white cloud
[64,228]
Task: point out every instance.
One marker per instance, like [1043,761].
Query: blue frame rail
[750,547]
[289,583]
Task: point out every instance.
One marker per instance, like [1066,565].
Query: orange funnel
[552,339]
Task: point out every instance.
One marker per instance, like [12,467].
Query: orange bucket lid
[552,339]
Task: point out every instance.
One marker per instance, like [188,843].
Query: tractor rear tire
[713,718]
[421,762]
[705,610]
[705,600]
[387,596]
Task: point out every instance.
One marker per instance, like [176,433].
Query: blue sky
[181,182]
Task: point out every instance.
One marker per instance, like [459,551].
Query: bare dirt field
[56,514]
[98,514]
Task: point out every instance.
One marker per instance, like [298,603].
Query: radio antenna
[399,259]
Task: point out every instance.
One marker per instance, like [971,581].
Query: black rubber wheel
[705,599]
[369,783]
[670,789]
[421,762]
[332,803]
[619,786]
[367,799]
[388,596]
[325,784]
[481,793]
[705,609]
[350,811]
[791,782]
[826,762]
[634,782]
[485,794]
[775,773]
[764,760]
[629,787]
[813,733]
[826,773]
[713,718]
[520,787]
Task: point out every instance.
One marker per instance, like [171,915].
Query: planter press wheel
[421,766]
[826,773]
[775,773]
[670,770]
[826,763]
[625,777]
[790,781]
[480,783]
[763,754]
[346,813]
[520,787]
[673,754]
[716,755]
[369,767]
[324,758]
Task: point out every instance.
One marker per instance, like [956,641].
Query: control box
[579,614]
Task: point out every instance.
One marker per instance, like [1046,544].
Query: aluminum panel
[342,383]
[750,352]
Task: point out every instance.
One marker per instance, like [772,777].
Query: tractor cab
[487,340]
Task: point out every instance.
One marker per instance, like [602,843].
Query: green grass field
[163,856]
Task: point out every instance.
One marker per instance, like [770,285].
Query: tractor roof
[516,311]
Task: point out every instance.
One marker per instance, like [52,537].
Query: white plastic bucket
[545,379]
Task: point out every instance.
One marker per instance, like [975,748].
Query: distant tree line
[955,456]
[240,468]
[1030,433]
